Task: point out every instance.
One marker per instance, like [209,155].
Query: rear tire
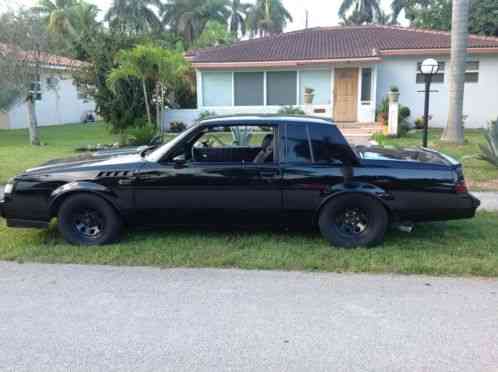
[353,221]
[88,220]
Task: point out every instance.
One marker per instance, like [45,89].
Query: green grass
[16,154]
[478,173]
[467,248]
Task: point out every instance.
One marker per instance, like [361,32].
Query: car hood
[412,155]
[85,162]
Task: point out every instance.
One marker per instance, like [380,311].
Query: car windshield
[159,153]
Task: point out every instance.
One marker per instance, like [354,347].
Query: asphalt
[84,318]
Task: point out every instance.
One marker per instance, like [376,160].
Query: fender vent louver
[112,174]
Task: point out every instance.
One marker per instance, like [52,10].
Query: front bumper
[20,223]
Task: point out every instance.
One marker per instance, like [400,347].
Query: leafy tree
[188,18]
[362,11]
[268,17]
[433,14]
[484,17]
[238,16]
[58,15]
[134,16]
[214,34]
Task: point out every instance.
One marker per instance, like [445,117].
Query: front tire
[88,220]
[353,221]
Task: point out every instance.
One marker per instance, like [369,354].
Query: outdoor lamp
[428,68]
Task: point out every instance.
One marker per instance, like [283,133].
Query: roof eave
[436,51]
[285,63]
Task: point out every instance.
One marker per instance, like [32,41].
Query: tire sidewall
[112,221]
[376,214]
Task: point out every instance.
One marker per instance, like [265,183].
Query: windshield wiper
[148,149]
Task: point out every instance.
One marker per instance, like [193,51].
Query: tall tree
[361,11]
[484,17]
[459,40]
[238,15]
[134,16]
[188,18]
[268,17]
[58,15]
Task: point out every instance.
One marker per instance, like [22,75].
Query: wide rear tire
[353,221]
[89,220]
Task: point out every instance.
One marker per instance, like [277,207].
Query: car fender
[62,192]
[375,192]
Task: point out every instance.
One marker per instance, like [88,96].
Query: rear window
[298,145]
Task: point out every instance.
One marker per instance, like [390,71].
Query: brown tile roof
[45,58]
[342,42]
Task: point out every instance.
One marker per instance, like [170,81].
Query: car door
[208,192]
[309,174]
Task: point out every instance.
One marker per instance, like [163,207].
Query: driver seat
[266,150]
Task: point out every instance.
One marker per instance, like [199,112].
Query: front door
[346,94]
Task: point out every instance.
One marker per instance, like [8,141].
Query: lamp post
[428,68]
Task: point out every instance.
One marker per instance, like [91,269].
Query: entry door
[346,94]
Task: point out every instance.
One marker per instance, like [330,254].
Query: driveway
[84,318]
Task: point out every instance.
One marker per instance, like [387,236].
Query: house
[350,69]
[60,101]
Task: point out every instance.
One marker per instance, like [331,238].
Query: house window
[281,88]
[366,84]
[436,78]
[472,72]
[249,88]
[217,88]
[319,81]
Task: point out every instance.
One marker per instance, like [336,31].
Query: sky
[321,12]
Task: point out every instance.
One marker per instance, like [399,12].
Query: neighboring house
[60,103]
[349,68]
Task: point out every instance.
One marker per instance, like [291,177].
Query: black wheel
[353,221]
[88,220]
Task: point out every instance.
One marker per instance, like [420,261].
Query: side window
[324,145]
[297,144]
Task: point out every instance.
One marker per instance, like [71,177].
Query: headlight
[8,188]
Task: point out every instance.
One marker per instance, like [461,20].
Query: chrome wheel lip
[88,223]
[352,222]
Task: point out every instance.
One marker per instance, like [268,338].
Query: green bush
[205,115]
[404,113]
[177,127]
[291,110]
[489,151]
[142,133]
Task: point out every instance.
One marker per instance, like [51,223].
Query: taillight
[461,187]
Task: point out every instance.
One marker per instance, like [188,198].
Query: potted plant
[308,95]
[383,112]
[394,94]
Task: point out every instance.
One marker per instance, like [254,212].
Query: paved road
[82,318]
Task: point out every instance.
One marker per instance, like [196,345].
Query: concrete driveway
[82,318]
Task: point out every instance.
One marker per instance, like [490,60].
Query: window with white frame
[319,81]
[217,88]
[248,88]
[366,85]
[436,78]
[281,88]
[472,72]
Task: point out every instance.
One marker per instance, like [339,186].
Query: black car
[244,170]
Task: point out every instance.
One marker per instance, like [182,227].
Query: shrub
[404,113]
[291,110]
[489,151]
[383,111]
[205,115]
[177,127]
[394,89]
[420,123]
[142,133]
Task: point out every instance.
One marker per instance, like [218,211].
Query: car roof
[274,119]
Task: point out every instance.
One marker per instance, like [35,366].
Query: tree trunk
[147,104]
[34,138]
[456,74]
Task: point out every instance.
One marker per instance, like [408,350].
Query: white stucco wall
[61,106]
[480,100]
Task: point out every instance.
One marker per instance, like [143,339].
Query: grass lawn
[480,175]
[467,247]
[16,154]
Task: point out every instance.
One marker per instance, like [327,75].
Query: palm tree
[456,74]
[188,18]
[133,16]
[363,11]
[57,14]
[268,17]
[238,16]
